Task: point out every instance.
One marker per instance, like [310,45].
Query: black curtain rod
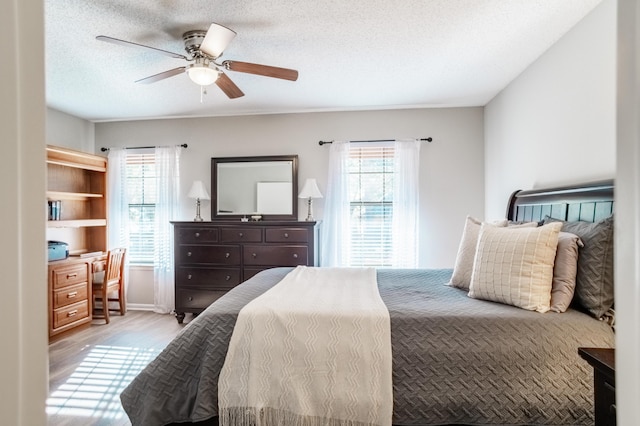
[103,149]
[375,140]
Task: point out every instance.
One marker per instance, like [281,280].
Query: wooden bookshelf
[78,180]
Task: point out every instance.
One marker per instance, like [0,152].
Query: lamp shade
[198,191]
[310,189]
[217,39]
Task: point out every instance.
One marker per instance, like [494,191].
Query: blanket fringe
[243,416]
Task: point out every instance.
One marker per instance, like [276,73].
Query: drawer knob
[295,255]
[190,299]
[189,276]
[72,313]
[226,255]
[286,235]
[240,234]
[227,278]
[197,234]
[72,295]
[188,254]
[72,275]
[254,255]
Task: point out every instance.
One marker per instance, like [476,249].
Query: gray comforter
[456,360]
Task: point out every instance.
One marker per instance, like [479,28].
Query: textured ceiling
[351,55]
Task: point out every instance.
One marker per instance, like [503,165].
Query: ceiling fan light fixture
[217,39]
[202,74]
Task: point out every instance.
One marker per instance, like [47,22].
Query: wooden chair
[111,281]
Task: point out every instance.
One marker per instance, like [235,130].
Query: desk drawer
[241,235]
[275,255]
[286,235]
[71,313]
[212,255]
[69,275]
[70,295]
[223,278]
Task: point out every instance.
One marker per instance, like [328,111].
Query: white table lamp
[309,191]
[199,192]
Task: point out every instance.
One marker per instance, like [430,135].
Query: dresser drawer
[286,235]
[275,255]
[241,235]
[69,275]
[212,255]
[69,295]
[196,299]
[194,235]
[71,313]
[223,278]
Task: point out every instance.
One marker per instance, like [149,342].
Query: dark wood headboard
[589,202]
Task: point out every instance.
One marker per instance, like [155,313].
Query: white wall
[69,131]
[451,165]
[555,124]
[23,358]
[627,267]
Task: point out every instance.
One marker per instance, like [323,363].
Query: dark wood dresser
[213,257]
[604,382]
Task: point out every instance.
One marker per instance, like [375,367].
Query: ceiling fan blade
[132,44]
[265,70]
[162,75]
[228,87]
[217,39]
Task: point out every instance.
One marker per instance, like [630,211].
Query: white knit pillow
[515,266]
[461,277]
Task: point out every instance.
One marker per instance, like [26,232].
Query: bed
[456,359]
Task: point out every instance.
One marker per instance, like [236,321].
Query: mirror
[247,186]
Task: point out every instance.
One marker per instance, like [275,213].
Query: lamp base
[309,211]
[198,218]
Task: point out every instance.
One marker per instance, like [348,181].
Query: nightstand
[604,383]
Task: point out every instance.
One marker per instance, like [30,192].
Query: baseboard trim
[140,306]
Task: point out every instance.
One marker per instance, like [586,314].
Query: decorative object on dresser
[211,258]
[109,281]
[76,181]
[604,383]
[199,192]
[310,191]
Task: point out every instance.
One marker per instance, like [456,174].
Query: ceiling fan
[204,48]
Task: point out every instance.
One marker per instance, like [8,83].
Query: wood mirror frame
[248,187]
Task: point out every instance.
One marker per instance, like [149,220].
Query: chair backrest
[115,266]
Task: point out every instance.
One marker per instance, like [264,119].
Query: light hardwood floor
[88,369]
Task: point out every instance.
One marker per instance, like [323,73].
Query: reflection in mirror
[246,186]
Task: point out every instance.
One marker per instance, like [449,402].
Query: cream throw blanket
[313,350]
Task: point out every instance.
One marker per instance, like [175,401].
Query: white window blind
[371,177]
[141,187]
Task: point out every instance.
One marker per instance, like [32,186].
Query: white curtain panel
[336,227]
[167,183]
[118,205]
[405,203]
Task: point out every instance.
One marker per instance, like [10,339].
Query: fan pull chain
[203,91]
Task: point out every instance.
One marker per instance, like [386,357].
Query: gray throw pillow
[594,280]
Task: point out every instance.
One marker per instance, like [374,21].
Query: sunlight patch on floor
[93,390]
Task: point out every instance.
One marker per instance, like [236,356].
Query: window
[141,193]
[371,173]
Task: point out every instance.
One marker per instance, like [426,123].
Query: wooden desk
[604,383]
[69,292]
